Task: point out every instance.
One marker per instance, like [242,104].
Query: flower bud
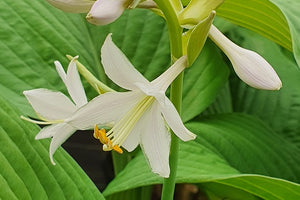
[196,11]
[73,6]
[248,65]
[106,11]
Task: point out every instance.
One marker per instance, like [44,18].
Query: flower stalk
[175,35]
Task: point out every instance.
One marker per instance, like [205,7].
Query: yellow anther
[96,132]
[107,144]
[117,149]
[100,134]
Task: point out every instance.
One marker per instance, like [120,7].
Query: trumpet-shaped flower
[139,116]
[54,108]
[106,11]
[248,65]
[100,12]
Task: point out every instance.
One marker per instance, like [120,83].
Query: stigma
[107,143]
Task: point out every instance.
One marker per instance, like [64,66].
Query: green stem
[175,35]
[174,28]
[169,183]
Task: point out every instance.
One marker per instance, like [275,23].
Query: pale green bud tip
[73,6]
[248,65]
[106,11]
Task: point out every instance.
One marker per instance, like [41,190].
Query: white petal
[73,6]
[106,11]
[174,121]
[50,105]
[105,108]
[156,141]
[49,131]
[60,70]
[165,79]
[118,68]
[74,84]
[63,132]
[248,65]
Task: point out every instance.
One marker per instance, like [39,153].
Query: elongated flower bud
[73,6]
[248,65]
[106,11]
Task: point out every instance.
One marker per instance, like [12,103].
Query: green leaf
[218,191]
[201,85]
[248,145]
[279,109]
[32,36]
[143,193]
[194,39]
[291,13]
[226,142]
[260,16]
[26,171]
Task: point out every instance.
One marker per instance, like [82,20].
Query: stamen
[116,136]
[117,149]
[100,135]
[40,122]
[107,144]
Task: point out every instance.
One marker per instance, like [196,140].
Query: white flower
[139,115]
[54,107]
[248,65]
[106,11]
[100,12]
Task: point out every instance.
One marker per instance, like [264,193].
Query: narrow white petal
[248,65]
[118,68]
[62,134]
[156,141]
[73,6]
[50,105]
[74,85]
[105,108]
[49,131]
[106,11]
[174,121]
[165,79]
[60,70]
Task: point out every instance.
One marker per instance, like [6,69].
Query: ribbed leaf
[26,172]
[224,142]
[201,85]
[280,109]
[290,9]
[261,16]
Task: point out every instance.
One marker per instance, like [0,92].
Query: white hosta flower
[248,65]
[106,11]
[100,12]
[139,116]
[55,108]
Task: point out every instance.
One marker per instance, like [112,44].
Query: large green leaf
[26,171]
[280,109]
[33,35]
[261,16]
[290,9]
[227,145]
[201,85]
